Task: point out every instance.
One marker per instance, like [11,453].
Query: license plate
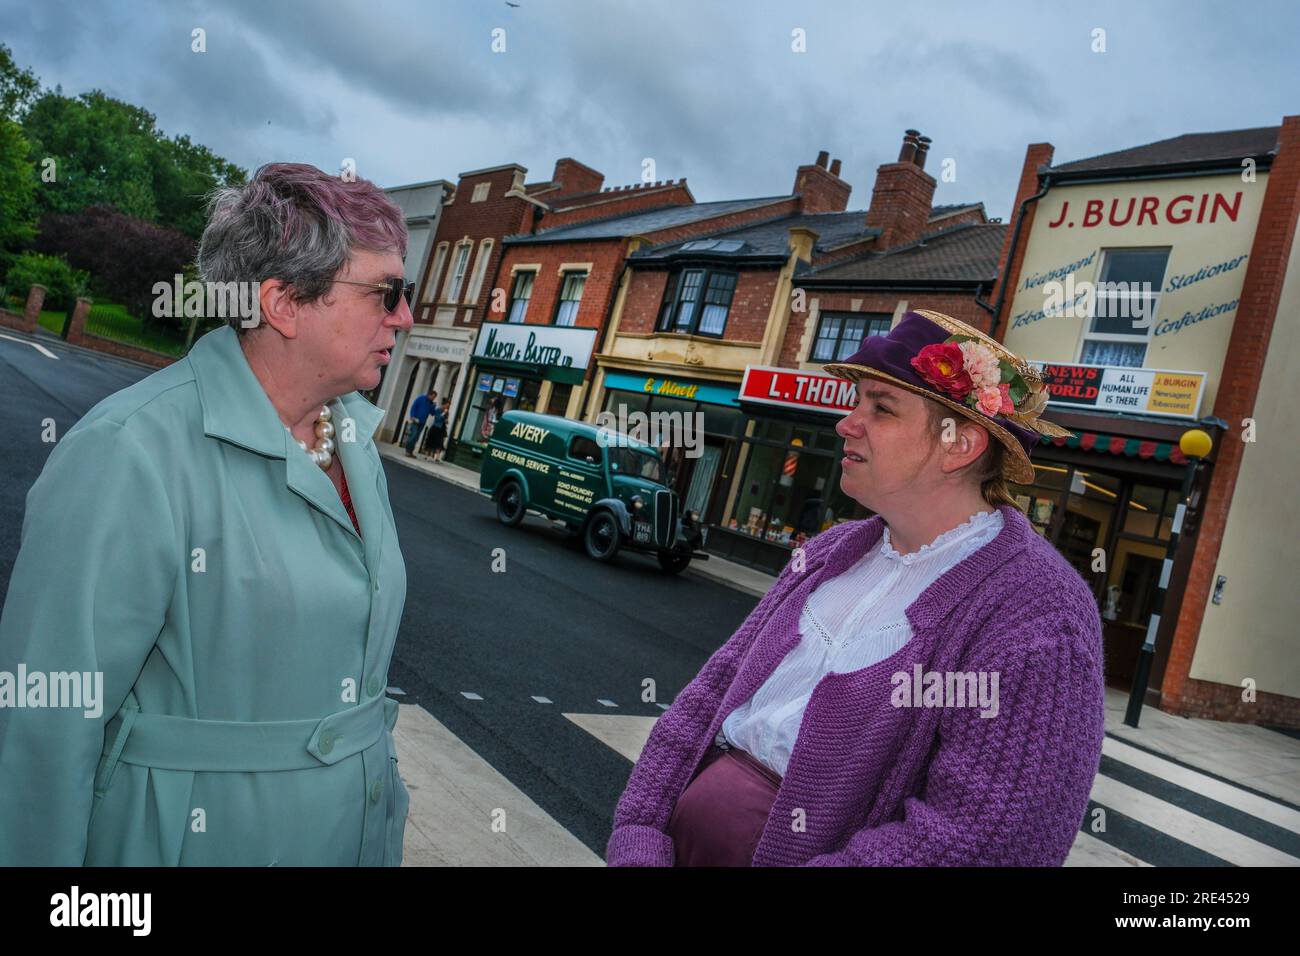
[641,532]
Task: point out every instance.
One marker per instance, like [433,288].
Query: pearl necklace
[322,453]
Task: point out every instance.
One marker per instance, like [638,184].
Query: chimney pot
[822,157]
[835,167]
[922,147]
[906,154]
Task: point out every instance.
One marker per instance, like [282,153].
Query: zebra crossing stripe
[1265,809]
[1185,826]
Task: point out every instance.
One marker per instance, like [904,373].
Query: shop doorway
[1114,530]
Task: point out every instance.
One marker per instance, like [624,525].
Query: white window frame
[431,280]
[456,274]
[1086,333]
[577,303]
[480,267]
[510,304]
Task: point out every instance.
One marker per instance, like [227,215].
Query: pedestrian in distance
[921,688]
[215,543]
[438,441]
[419,415]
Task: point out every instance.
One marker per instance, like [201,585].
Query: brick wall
[618,201]
[1036,155]
[605,256]
[960,306]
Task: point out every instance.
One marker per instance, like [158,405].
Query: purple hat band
[893,354]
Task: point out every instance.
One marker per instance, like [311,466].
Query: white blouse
[850,622]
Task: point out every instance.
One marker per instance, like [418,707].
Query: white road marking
[606,703]
[1225,793]
[455,797]
[542,700]
[1197,831]
[36,345]
[397,690]
[625,733]
[469,695]
[662,706]
[1090,851]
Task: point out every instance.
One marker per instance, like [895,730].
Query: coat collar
[237,410]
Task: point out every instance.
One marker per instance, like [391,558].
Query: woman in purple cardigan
[923,688]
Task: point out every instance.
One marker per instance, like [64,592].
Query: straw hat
[957,365]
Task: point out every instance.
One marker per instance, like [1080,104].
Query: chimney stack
[903,192]
[820,189]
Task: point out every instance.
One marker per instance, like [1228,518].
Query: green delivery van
[604,486]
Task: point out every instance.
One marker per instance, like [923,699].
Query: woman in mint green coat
[214,546]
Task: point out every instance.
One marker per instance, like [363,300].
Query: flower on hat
[975,374]
[943,366]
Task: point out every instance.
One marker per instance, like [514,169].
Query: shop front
[536,368]
[787,485]
[429,357]
[1107,497]
[700,461]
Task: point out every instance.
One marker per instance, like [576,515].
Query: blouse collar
[973,526]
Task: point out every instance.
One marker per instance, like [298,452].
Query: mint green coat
[181,544]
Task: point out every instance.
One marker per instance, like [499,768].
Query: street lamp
[1195,445]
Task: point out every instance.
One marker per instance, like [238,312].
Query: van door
[581,478]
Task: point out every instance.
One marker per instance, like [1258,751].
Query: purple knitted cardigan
[872,784]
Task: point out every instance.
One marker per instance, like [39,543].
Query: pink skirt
[720,816]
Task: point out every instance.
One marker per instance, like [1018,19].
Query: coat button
[376,587]
[372,687]
[376,791]
[326,742]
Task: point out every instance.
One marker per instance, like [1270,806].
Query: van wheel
[510,504]
[601,537]
[673,563]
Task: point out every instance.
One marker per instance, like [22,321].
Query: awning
[1119,445]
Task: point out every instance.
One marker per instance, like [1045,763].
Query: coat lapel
[237,410]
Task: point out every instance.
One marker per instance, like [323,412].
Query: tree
[18,87]
[124,255]
[17,191]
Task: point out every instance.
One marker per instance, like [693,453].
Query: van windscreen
[629,461]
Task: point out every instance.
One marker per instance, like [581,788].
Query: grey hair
[295,223]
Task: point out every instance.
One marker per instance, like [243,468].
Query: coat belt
[168,742]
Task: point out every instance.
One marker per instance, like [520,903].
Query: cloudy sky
[414,90]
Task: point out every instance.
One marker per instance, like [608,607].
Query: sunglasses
[394,289]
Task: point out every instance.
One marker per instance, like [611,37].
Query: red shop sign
[790,388]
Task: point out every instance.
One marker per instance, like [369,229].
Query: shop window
[697,301]
[1150,512]
[1089,512]
[628,401]
[1124,315]
[721,420]
[784,495]
[570,296]
[1040,501]
[494,395]
[1137,590]
[560,395]
[519,296]
[839,336]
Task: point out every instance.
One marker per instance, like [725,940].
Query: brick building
[459,264]
[554,291]
[1199,330]
[736,324]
